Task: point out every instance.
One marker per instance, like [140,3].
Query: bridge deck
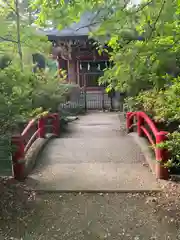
[95,155]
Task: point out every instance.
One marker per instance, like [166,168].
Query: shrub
[173,146]
[167,108]
[15,97]
[144,101]
[48,92]
[162,106]
[24,95]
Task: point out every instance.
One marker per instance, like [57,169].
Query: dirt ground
[27,215]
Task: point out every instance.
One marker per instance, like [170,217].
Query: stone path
[95,155]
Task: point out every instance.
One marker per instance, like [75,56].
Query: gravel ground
[26,215]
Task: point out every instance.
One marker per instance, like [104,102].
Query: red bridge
[95,154]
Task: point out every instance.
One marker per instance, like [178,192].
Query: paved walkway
[95,155]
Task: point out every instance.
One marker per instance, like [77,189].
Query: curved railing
[36,128]
[146,127]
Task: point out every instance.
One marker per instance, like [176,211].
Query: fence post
[129,122]
[41,127]
[18,157]
[85,99]
[103,104]
[140,122]
[161,157]
[56,124]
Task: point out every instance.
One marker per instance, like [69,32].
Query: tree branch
[8,40]
[92,23]
[157,19]
[88,25]
[9,5]
[16,3]
[143,6]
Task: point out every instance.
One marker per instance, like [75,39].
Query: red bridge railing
[146,127]
[36,128]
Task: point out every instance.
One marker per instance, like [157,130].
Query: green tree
[138,65]
[145,50]
[18,37]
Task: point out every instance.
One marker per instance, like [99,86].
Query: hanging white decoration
[80,66]
[99,67]
[88,66]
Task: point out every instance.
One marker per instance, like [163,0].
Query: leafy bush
[173,146]
[162,106]
[144,101]
[48,92]
[15,97]
[167,108]
[24,95]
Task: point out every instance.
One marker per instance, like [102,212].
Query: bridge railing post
[161,157]
[41,127]
[140,122]
[129,122]
[18,155]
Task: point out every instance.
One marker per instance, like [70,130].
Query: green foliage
[63,12]
[167,108]
[24,95]
[173,146]
[162,106]
[48,92]
[142,65]
[146,70]
[137,65]
[14,97]
[18,38]
[144,101]
[142,69]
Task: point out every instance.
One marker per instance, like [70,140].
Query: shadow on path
[94,155]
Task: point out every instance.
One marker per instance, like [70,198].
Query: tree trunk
[16,3]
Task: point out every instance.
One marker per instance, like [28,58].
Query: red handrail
[28,127]
[149,122]
[31,140]
[23,144]
[148,135]
[159,136]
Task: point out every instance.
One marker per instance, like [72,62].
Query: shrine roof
[77,30]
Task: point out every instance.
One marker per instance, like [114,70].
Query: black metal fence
[89,79]
[91,97]
[87,100]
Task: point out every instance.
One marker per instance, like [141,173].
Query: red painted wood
[161,154]
[28,127]
[21,148]
[161,157]
[129,120]
[17,156]
[41,127]
[148,135]
[150,122]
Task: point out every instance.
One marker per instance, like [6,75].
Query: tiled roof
[79,29]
